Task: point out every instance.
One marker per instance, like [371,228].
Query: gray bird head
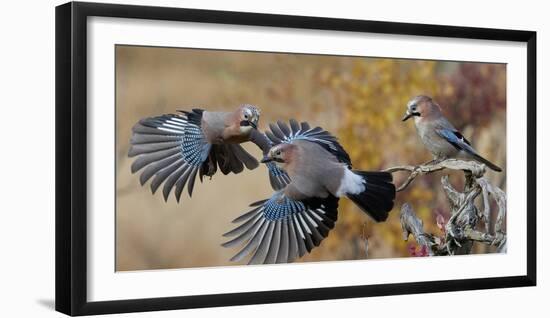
[281,153]
[249,117]
[419,106]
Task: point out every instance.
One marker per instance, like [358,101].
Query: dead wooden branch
[411,224]
[460,229]
[476,169]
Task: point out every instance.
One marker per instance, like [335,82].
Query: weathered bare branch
[411,224]
[475,168]
[486,208]
[498,239]
[460,229]
[500,198]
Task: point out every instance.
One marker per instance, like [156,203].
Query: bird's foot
[419,167]
[432,162]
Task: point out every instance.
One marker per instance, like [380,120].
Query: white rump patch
[351,183]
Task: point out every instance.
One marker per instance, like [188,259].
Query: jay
[174,148]
[438,135]
[296,218]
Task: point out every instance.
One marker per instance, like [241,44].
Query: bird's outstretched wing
[281,133]
[279,229]
[171,148]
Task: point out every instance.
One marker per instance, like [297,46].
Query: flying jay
[174,148]
[439,136]
[296,218]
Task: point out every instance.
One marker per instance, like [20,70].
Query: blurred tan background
[360,100]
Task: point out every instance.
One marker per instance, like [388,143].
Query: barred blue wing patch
[280,229]
[281,133]
[456,139]
[194,146]
[275,210]
[277,177]
[170,149]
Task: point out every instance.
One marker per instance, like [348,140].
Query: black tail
[377,199]
[488,163]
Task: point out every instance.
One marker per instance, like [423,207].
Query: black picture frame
[71,157]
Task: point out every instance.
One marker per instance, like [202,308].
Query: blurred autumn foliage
[360,100]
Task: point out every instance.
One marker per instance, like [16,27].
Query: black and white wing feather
[280,230]
[170,149]
[281,133]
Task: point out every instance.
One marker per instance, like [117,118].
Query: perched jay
[174,148]
[299,216]
[438,134]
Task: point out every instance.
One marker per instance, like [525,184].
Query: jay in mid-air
[317,172]
[439,136]
[174,148]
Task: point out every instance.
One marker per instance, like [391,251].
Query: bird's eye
[278,153]
[245,116]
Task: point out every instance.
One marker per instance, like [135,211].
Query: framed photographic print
[211,158]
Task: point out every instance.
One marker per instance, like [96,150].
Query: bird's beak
[250,123]
[407,116]
[266,159]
